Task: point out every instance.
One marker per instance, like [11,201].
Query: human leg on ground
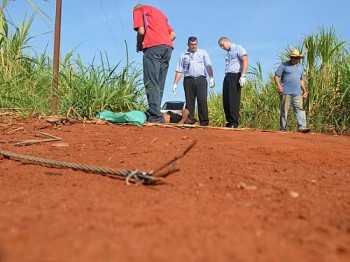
[299,112]
[202,101]
[285,105]
[231,95]
[190,96]
[154,80]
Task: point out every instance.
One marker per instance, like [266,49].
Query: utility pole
[56,57]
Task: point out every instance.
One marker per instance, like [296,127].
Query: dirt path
[240,195]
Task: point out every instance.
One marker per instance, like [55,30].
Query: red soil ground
[240,195]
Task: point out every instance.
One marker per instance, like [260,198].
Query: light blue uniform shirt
[233,59]
[290,78]
[193,64]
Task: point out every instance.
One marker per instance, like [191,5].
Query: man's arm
[210,71]
[177,78]
[211,76]
[302,85]
[277,80]
[242,80]
[244,60]
[172,36]
[140,38]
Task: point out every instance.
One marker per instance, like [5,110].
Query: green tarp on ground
[133,117]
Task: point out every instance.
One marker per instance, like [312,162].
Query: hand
[211,82]
[242,80]
[305,94]
[138,48]
[174,89]
[280,89]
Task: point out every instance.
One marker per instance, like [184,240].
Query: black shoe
[190,121]
[231,125]
[304,130]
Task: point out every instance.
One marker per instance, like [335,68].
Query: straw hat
[296,53]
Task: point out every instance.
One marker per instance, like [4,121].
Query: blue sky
[264,28]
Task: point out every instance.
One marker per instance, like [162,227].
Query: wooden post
[56,57]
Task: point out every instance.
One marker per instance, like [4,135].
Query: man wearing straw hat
[292,90]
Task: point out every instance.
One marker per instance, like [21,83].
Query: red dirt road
[240,195]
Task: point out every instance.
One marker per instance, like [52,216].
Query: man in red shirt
[154,38]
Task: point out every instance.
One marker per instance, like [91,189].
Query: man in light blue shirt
[291,88]
[195,64]
[235,72]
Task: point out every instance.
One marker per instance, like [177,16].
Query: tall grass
[216,110]
[91,89]
[327,60]
[25,79]
[260,104]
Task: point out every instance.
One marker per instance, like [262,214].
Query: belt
[194,77]
[231,73]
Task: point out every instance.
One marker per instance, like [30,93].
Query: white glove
[211,82]
[242,80]
[174,89]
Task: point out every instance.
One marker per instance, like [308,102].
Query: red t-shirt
[156,25]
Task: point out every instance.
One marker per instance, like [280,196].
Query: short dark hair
[137,6]
[192,39]
[223,38]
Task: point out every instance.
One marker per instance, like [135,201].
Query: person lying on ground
[171,117]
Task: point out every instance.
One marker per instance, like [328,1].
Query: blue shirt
[193,64]
[233,59]
[290,78]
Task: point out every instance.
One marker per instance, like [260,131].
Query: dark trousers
[231,95]
[197,88]
[155,67]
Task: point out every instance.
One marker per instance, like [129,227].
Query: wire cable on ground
[129,175]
